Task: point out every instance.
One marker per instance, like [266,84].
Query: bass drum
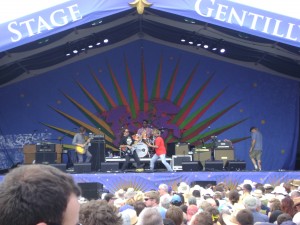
[141,149]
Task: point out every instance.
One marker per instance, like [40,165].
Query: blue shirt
[258,140]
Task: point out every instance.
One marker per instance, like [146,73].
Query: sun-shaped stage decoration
[171,114]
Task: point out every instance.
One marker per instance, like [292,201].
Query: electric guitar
[81,149]
[127,150]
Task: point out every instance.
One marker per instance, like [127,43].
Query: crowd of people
[44,195]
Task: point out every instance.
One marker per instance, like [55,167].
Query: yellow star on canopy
[140,5]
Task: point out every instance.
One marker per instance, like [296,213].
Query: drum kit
[142,148]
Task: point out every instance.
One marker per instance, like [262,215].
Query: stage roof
[37,54]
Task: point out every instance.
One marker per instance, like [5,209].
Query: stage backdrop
[189,97]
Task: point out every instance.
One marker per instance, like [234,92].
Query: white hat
[248,182]
[183,188]
[279,190]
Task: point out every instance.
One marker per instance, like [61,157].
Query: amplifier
[45,148]
[182,149]
[177,160]
[224,155]
[202,156]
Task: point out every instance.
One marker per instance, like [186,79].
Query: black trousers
[127,159]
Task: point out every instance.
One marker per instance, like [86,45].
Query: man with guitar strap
[126,143]
[82,145]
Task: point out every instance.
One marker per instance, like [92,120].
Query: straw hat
[296,201]
[295,183]
[231,219]
[257,193]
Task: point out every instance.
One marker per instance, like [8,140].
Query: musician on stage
[145,131]
[126,145]
[160,151]
[82,145]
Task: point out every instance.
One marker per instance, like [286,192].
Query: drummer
[128,149]
[145,131]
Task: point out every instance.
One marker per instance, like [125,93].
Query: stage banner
[22,22]
[272,19]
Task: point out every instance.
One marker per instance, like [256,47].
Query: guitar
[81,149]
[127,150]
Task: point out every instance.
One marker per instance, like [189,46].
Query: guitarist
[126,143]
[82,145]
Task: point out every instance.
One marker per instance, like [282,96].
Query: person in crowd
[274,215]
[176,214]
[245,217]
[274,204]
[151,199]
[139,206]
[247,188]
[253,204]
[110,198]
[283,217]
[202,218]
[99,212]
[287,206]
[82,145]
[38,195]
[256,148]
[127,147]
[160,151]
[296,217]
[150,216]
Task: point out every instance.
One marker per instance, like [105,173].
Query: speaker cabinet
[192,166]
[45,157]
[227,154]
[97,149]
[31,150]
[216,165]
[182,149]
[232,165]
[91,190]
[82,168]
[177,160]
[60,166]
[202,156]
[203,183]
[109,166]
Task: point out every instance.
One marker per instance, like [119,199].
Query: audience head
[233,196]
[99,212]
[176,214]
[283,217]
[150,216]
[245,217]
[151,198]
[176,200]
[203,218]
[139,206]
[247,188]
[34,194]
[274,215]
